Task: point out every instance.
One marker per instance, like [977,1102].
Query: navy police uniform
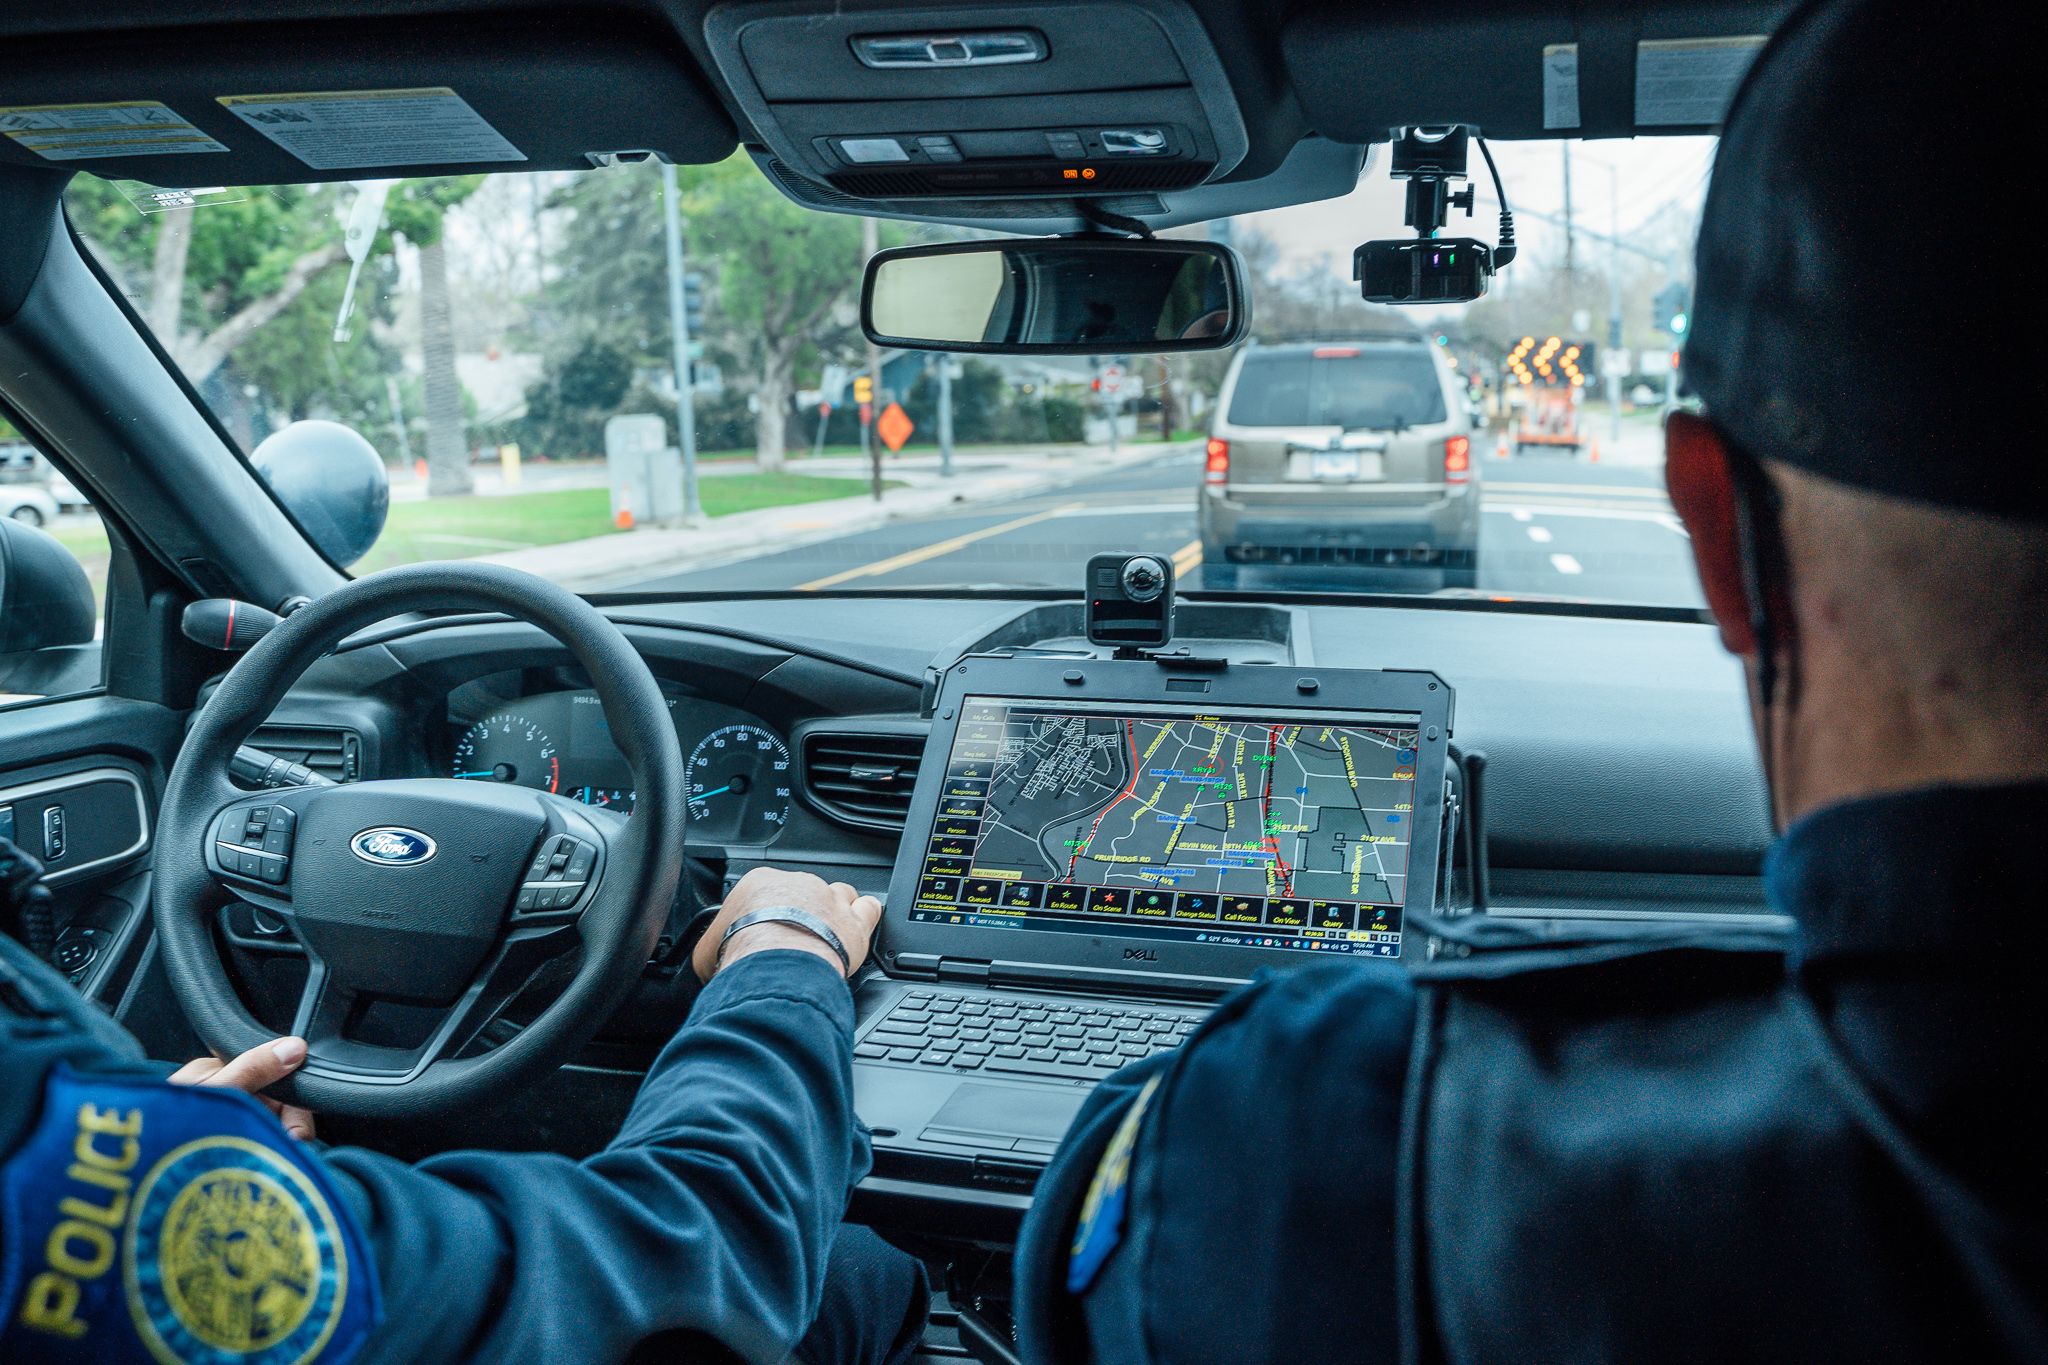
[1699,1147]
[146,1222]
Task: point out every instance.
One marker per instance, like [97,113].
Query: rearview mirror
[1056,296]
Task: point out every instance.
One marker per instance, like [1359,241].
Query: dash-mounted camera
[1429,268]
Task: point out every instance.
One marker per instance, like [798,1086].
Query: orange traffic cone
[1595,457]
[624,520]
[1500,451]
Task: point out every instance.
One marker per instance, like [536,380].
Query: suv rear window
[1364,389]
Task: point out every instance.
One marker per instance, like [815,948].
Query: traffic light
[693,300]
[1673,305]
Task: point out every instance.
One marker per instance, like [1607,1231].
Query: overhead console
[1068,98]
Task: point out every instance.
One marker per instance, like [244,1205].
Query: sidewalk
[549,476]
[619,560]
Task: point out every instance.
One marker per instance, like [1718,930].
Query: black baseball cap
[1866,299]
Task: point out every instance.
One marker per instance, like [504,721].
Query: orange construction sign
[894,427]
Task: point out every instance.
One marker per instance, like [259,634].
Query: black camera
[1130,601]
[1429,268]
[1435,270]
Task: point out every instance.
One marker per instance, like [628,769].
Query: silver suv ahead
[1346,460]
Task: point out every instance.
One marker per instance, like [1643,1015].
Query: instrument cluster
[738,775]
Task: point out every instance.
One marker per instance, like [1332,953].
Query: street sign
[863,389]
[1617,364]
[1657,361]
[1109,382]
[832,388]
[894,427]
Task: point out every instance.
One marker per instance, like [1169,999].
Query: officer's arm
[1258,1159]
[712,1212]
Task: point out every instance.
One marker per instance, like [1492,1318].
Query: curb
[564,562]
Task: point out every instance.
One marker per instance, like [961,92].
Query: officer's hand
[252,1072]
[851,915]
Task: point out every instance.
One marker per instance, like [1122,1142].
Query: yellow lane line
[933,550]
[1186,557]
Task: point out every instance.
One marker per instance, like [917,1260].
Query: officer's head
[1866,498]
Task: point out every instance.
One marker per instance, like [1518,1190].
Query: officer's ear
[1703,494]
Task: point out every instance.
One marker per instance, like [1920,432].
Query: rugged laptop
[1097,850]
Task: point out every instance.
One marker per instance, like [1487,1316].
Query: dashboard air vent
[330,752]
[863,777]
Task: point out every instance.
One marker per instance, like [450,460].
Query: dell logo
[1140,955]
[392,846]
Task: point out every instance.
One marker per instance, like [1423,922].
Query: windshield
[634,378]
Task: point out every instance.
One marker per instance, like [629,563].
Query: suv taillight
[1217,470]
[1457,459]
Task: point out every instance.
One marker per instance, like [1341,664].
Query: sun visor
[291,102]
[982,101]
[1522,71]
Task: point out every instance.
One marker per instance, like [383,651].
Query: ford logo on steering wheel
[392,846]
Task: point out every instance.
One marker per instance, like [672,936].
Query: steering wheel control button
[581,861]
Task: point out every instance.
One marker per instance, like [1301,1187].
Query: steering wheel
[439,896]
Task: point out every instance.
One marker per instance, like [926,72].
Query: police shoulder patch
[181,1225]
[1101,1224]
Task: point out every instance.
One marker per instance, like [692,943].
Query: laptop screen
[1246,827]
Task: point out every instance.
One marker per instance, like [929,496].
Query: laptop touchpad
[1005,1118]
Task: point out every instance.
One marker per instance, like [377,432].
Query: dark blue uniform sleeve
[1255,1187]
[712,1213]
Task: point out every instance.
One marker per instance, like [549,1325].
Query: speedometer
[738,785]
[508,747]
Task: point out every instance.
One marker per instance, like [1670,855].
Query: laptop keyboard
[964,1032]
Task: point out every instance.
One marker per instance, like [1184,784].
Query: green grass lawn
[462,528]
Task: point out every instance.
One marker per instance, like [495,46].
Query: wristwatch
[789,914]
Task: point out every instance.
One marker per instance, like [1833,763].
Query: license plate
[1345,465]
[1333,464]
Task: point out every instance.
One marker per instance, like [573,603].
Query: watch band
[789,914]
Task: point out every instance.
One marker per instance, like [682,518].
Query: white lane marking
[1667,520]
[1576,490]
[1518,513]
[1540,534]
[1565,564]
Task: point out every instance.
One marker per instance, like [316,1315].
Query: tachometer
[738,785]
[508,747]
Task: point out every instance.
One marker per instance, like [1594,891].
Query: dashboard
[738,772]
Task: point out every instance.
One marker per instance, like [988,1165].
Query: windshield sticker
[155,199]
[1561,85]
[336,130]
[88,132]
[1689,81]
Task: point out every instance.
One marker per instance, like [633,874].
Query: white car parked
[27,504]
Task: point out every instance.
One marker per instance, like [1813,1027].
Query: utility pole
[679,330]
[870,242]
[1613,300]
[945,363]
[1570,256]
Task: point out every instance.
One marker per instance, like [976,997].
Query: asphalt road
[1549,526]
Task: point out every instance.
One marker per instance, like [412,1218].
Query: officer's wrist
[771,936]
